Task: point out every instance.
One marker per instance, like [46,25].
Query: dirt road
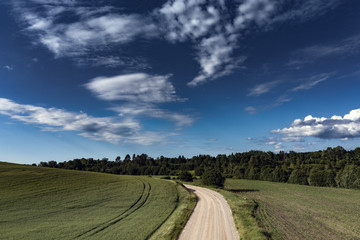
[212,218]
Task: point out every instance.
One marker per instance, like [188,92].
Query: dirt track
[212,218]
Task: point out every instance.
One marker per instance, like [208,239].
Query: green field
[44,203]
[289,211]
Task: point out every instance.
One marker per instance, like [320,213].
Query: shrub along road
[211,219]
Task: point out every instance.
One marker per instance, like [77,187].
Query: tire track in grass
[121,216]
[127,214]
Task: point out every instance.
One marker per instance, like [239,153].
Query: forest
[333,167]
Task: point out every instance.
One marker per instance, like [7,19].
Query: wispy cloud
[150,110]
[251,110]
[343,48]
[286,94]
[109,129]
[312,82]
[336,127]
[263,88]
[9,68]
[213,27]
[303,10]
[90,29]
[111,61]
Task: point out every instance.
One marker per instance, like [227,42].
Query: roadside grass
[289,211]
[243,213]
[44,203]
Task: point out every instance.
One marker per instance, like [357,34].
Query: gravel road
[212,218]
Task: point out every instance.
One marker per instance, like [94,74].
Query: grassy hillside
[289,211]
[44,203]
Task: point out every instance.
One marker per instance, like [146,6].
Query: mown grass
[289,211]
[44,203]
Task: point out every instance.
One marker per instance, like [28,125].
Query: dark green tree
[213,177]
[185,176]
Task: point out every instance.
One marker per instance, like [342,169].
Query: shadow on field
[242,190]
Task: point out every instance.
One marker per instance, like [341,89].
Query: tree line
[333,167]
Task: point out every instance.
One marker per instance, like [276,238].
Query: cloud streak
[263,88]
[343,48]
[312,82]
[150,110]
[108,129]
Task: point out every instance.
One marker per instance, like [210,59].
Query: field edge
[172,227]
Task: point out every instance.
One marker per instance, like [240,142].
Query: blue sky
[180,77]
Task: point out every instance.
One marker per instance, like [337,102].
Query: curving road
[212,218]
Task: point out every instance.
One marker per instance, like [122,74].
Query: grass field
[289,211]
[44,203]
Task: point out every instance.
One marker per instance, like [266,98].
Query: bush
[213,177]
[185,176]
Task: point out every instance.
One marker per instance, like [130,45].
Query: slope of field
[43,203]
[289,211]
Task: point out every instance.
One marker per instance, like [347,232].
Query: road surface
[212,218]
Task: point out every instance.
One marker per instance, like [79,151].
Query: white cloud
[135,87]
[109,129]
[206,24]
[258,11]
[188,19]
[336,127]
[214,56]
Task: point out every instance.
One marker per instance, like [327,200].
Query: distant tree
[213,177]
[43,164]
[185,176]
[52,164]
